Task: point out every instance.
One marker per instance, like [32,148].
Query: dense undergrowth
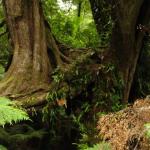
[82,95]
[69,27]
[83,91]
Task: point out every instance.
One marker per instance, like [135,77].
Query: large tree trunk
[126,41]
[30,68]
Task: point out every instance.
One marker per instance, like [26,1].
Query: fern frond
[5,101]
[10,114]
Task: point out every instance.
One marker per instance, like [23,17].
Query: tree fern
[9,113]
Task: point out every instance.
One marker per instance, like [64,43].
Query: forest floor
[129,128]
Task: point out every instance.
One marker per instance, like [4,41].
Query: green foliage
[12,136]
[2,147]
[28,135]
[92,92]
[52,113]
[1,72]
[68,27]
[4,44]
[57,75]
[108,90]
[101,146]
[105,84]
[9,113]
[106,23]
[147,128]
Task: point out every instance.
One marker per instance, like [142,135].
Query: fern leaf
[5,101]
[10,114]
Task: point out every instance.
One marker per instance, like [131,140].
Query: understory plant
[147,129]
[9,113]
[101,146]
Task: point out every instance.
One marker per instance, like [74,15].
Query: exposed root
[20,85]
[33,100]
[65,58]
[54,48]
[29,92]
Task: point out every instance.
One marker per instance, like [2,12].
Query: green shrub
[101,146]
[147,128]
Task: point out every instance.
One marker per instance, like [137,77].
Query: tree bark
[30,68]
[126,41]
